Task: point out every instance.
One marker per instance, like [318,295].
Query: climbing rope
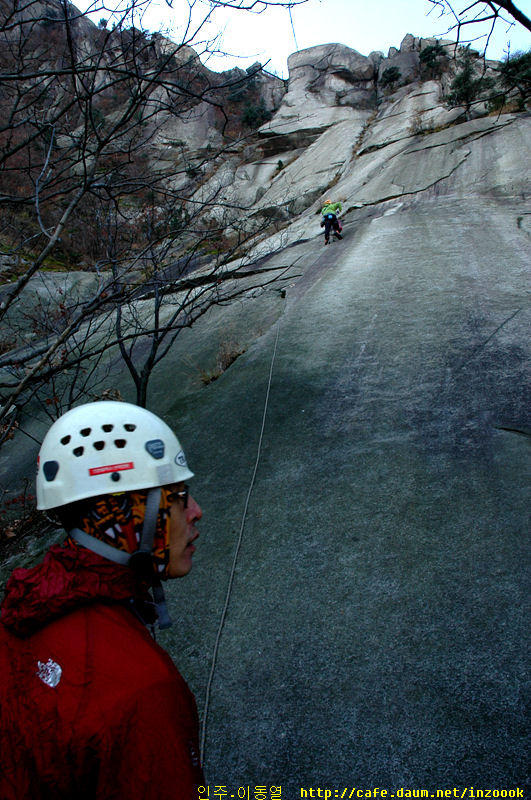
[236,552]
[293,28]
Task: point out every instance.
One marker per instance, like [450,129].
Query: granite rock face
[338,129]
[377,616]
[342,129]
[377,613]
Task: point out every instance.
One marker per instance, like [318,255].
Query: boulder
[324,81]
[406,60]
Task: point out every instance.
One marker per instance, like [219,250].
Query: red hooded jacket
[90,706]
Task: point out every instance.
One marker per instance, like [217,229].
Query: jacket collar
[68,577]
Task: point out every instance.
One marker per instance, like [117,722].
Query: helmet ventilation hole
[99,445]
[65,439]
[129,427]
[85,431]
[50,469]
[107,428]
[120,442]
[78,451]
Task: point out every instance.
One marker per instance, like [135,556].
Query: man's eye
[179,494]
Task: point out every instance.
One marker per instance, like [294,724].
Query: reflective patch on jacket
[49,672]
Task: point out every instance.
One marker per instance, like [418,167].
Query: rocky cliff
[363,465]
[375,623]
[341,128]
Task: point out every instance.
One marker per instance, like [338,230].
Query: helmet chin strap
[142,556]
[140,561]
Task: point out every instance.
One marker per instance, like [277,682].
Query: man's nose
[193,511]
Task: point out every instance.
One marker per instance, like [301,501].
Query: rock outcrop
[343,126]
[337,126]
[374,434]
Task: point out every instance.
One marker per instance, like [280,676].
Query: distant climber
[331,212]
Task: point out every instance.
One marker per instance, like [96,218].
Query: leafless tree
[476,12]
[86,184]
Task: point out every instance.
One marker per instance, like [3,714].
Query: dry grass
[228,352]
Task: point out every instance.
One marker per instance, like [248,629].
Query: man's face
[182,534]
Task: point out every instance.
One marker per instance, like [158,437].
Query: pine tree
[466,88]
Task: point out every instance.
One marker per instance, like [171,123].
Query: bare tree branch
[481,11]
[89,186]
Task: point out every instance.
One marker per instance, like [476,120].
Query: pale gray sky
[364,25]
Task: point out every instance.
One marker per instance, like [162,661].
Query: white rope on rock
[236,552]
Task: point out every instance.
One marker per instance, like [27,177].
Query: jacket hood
[67,578]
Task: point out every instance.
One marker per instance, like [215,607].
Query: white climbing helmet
[105,447]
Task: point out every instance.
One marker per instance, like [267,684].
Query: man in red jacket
[90,706]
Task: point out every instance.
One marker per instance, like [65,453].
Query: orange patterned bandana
[117,520]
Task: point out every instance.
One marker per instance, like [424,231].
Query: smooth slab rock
[420,163]
[287,190]
[418,111]
[483,156]
[194,129]
[327,133]
[377,618]
[371,445]
[219,188]
[407,172]
[311,173]
[43,289]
